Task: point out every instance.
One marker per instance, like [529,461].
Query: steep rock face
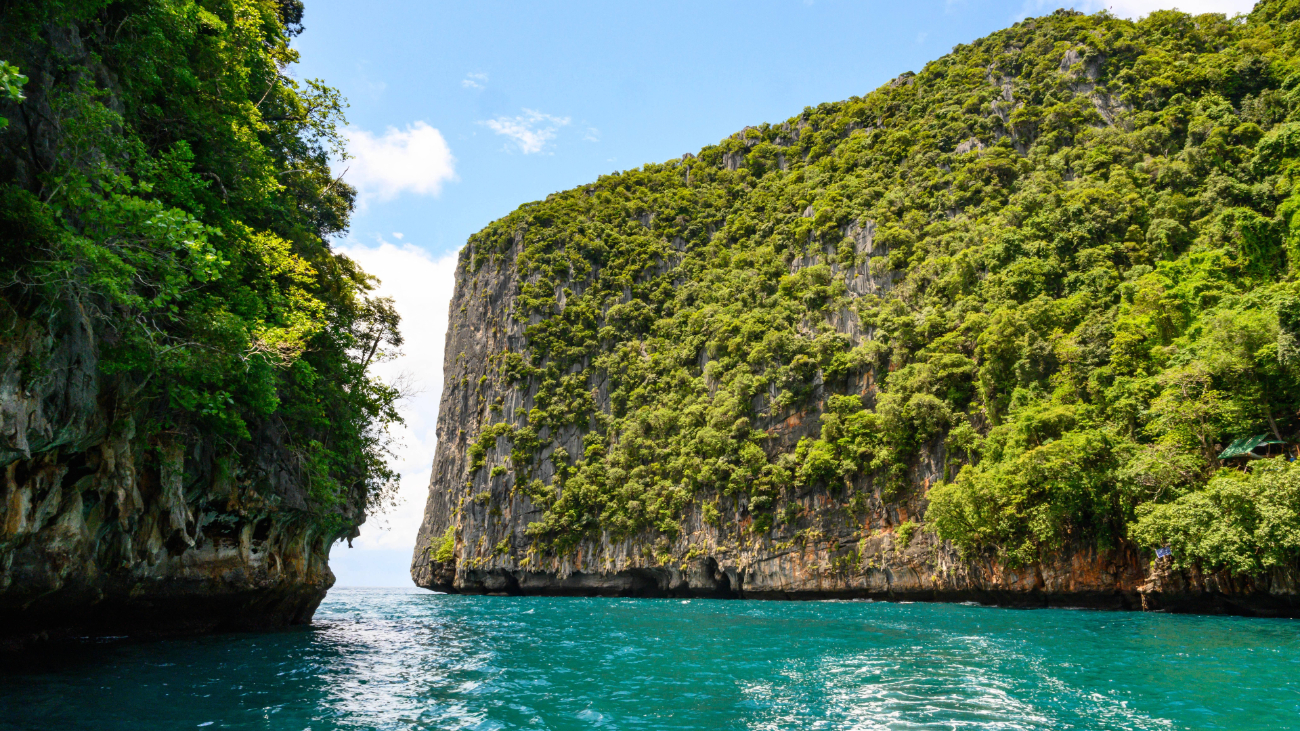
[105,528]
[936,342]
[187,422]
[856,543]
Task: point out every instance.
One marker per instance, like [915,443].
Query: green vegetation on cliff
[1067,253]
[166,181]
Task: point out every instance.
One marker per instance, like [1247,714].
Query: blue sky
[460,112]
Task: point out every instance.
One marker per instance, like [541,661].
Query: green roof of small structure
[1243,447]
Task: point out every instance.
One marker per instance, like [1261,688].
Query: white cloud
[591,135]
[421,287]
[416,160]
[1136,9]
[474,81]
[531,130]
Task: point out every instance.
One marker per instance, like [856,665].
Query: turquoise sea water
[404,659]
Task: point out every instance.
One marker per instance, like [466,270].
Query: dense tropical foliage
[167,178]
[1084,250]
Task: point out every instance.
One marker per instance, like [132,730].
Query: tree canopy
[169,178]
[1064,255]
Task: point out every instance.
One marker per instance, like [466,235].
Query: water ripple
[398,659]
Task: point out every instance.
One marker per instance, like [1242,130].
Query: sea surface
[408,659]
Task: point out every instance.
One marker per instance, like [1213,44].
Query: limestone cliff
[842,544]
[187,422]
[981,333]
[106,528]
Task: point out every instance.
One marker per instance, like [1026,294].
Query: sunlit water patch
[399,659]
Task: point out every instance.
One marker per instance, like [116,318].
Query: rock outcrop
[164,470]
[936,342]
[109,528]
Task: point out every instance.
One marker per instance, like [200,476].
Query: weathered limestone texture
[108,529]
[859,542]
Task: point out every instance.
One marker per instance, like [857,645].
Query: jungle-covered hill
[166,175]
[187,420]
[1064,253]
